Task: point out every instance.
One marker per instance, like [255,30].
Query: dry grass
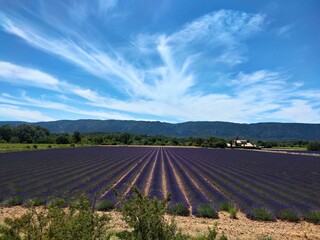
[241,228]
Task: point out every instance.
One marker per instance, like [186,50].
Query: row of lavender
[193,176]
[58,172]
[248,179]
[254,179]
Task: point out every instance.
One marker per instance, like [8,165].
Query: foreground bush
[146,217]
[313,216]
[79,222]
[289,215]
[207,211]
[179,209]
[14,201]
[230,208]
[36,202]
[212,234]
[105,205]
[261,214]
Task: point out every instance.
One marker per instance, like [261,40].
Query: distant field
[290,148]
[194,176]
[16,147]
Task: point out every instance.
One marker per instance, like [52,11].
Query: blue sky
[222,60]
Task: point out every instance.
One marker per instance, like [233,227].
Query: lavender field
[193,176]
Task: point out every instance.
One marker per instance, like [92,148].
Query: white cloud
[85,55]
[106,5]
[33,77]
[220,27]
[22,76]
[25,100]
[298,111]
[223,31]
[284,31]
[164,86]
[22,114]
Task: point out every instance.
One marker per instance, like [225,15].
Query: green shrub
[225,206]
[228,207]
[264,237]
[14,201]
[79,222]
[179,209]
[223,237]
[146,217]
[206,210]
[35,146]
[212,234]
[289,215]
[105,205]
[313,146]
[313,216]
[262,214]
[37,201]
[233,213]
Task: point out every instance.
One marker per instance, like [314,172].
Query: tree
[63,139]
[6,132]
[124,137]
[25,133]
[76,137]
[313,146]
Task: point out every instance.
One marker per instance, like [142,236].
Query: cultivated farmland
[248,179]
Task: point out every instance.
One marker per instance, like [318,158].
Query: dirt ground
[241,228]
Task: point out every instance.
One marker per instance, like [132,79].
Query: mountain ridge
[253,131]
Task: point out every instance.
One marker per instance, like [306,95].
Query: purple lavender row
[194,194]
[73,178]
[215,196]
[37,182]
[172,184]
[156,180]
[81,162]
[258,199]
[107,181]
[59,188]
[288,183]
[298,169]
[123,164]
[266,190]
[263,177]
[281,193]
[244,197]
[24,162]
[126,181]
[142,179]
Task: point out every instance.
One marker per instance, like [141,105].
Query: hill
[254,131]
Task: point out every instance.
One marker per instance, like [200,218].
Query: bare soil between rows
[241,228]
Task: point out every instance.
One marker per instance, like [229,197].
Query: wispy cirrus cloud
[112,66]
[14,102]
[160,74]
[25,76]
[284,31]
[23,114]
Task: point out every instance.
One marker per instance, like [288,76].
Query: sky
[161,60]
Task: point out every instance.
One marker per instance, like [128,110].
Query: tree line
[25,133]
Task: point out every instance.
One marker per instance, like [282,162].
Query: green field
[16,147]
[291,148]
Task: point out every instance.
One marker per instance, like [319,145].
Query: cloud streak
[160,74]
[23,114]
